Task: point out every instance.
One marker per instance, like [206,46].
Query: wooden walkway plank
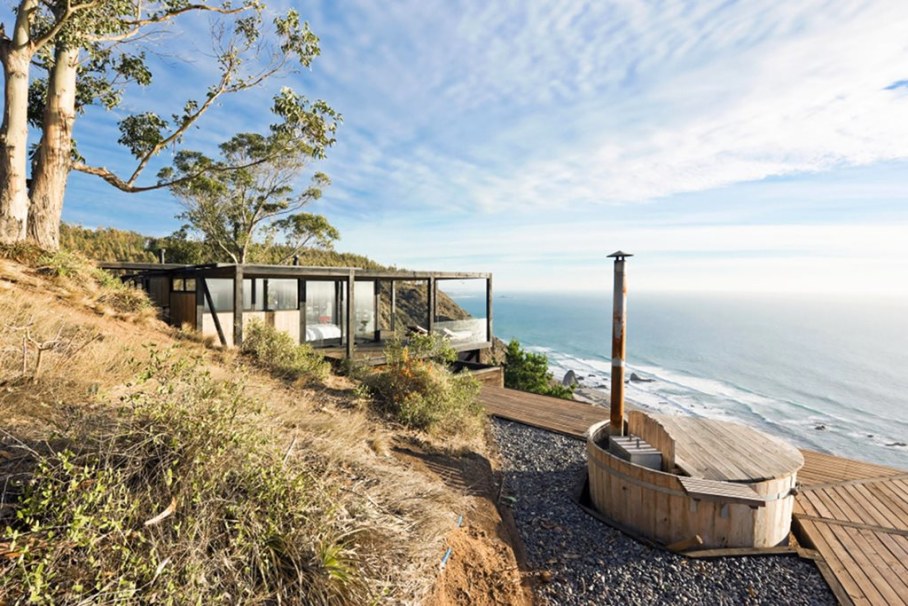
[841,568]
[897,546]
[836,547]
[863,505]
[896,500]
[882,508]
[889,565]
[867,562]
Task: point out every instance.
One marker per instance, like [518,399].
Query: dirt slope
[64,346]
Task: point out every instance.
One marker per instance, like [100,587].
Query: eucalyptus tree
[90,53]
[247,198]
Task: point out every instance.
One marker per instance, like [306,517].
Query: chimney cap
[618,255]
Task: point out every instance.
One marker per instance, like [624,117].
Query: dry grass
[386,521]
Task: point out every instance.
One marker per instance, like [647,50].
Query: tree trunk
[16,55]
[54,155]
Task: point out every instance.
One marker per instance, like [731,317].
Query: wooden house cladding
[339,309]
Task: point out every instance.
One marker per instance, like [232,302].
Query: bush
[530,372]
[111,290]
[74,268]
[278,353]
[25,253]
[177,498]
[417,389]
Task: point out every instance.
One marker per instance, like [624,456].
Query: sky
[730,146]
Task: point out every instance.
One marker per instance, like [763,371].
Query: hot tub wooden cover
[718,450]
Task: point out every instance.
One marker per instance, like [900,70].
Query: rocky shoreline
[580,560]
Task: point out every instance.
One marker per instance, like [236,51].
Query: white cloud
[549,104]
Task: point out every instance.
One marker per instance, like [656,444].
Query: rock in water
[638,379]
[570,378]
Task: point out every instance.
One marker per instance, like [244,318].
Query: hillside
[140,466]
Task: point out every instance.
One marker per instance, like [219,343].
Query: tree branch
[225,86]
[138,23]
[189,121]
[167,16]
[62,21]
[128,187]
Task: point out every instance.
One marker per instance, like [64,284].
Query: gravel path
[592,563]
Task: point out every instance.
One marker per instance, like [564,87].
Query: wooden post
[199,303]
[393,305]
[489,309]
[238,305]
[377,321]
[431,298]
[351,317]
[339,303]
[301,298]
[619,342]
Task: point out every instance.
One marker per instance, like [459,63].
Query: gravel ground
[592,563]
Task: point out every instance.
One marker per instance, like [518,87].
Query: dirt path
[486,565]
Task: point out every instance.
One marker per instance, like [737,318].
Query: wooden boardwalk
[853,514]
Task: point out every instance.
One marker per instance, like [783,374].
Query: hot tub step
[728,492]
[635,450]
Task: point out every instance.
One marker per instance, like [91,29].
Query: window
[321,303]
[183,285]
[261,294]
[254,294]
[282,294]
[324,319]
[221,291]
[364,302]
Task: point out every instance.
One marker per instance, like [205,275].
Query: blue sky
[739,146]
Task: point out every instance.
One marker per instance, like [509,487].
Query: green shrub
[528,371]
[277,352]
[105,287]
[417,389]
[25,253]
[177,498]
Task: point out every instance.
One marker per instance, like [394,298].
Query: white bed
[457,336]
[320,332]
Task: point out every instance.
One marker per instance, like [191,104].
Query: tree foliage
[529,371]
[250,191]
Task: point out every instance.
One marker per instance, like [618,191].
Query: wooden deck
[561,416]
[853,514]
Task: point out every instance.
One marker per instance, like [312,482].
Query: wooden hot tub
[718,484]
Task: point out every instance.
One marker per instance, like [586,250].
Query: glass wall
[323,316]
[364,306]
[261,294]
[460,311]
[221,290]
[253,294]
[411,306]
[281,294]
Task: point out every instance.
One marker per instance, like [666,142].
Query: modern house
[348,312]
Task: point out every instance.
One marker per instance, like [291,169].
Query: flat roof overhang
[226,270]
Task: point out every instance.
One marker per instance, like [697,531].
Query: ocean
[826,373]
